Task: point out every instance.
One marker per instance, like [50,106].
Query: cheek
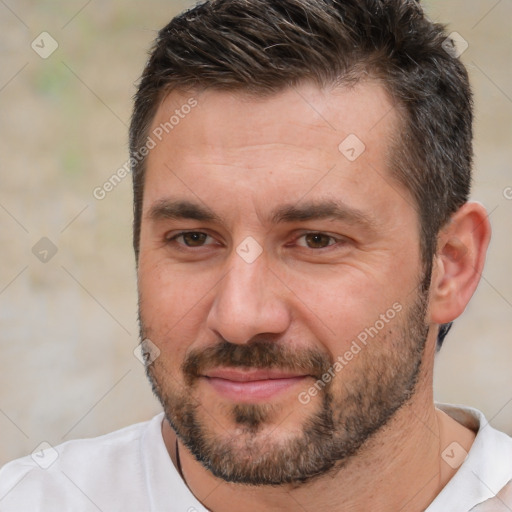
[169,288]
[370,358]
[173,306]
[339,305]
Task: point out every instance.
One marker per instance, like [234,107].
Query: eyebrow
[300,212]
[181,209]
[319,210]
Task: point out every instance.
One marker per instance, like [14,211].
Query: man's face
[289,316]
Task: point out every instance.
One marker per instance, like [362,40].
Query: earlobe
[459,262]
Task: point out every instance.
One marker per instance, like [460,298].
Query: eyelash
[173,239]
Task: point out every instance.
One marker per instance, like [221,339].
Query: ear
[459,262]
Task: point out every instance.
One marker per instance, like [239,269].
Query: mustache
[259,354]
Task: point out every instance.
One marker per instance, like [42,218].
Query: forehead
[221,119]
[299,141]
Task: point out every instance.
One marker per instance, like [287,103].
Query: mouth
[251,385]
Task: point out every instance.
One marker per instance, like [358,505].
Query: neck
[400,466]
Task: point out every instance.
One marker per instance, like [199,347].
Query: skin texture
[242,158]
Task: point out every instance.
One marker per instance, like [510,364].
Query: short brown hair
[265,46]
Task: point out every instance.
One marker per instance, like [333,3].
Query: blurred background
[68,305]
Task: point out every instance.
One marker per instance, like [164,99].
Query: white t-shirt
[130,470]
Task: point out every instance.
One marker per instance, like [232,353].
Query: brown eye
[191,238]
[194,239]
[317,240]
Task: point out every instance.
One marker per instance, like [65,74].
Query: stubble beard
[383,379]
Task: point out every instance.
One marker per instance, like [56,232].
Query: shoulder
[502,502]
[484,475]
[76,470]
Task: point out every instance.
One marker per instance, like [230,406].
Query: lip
[252,385]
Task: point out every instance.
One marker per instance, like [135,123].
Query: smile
[252,385]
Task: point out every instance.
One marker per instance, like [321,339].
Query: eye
[317,240]
[190,238]
[195,239]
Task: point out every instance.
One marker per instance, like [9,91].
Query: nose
[249,300]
